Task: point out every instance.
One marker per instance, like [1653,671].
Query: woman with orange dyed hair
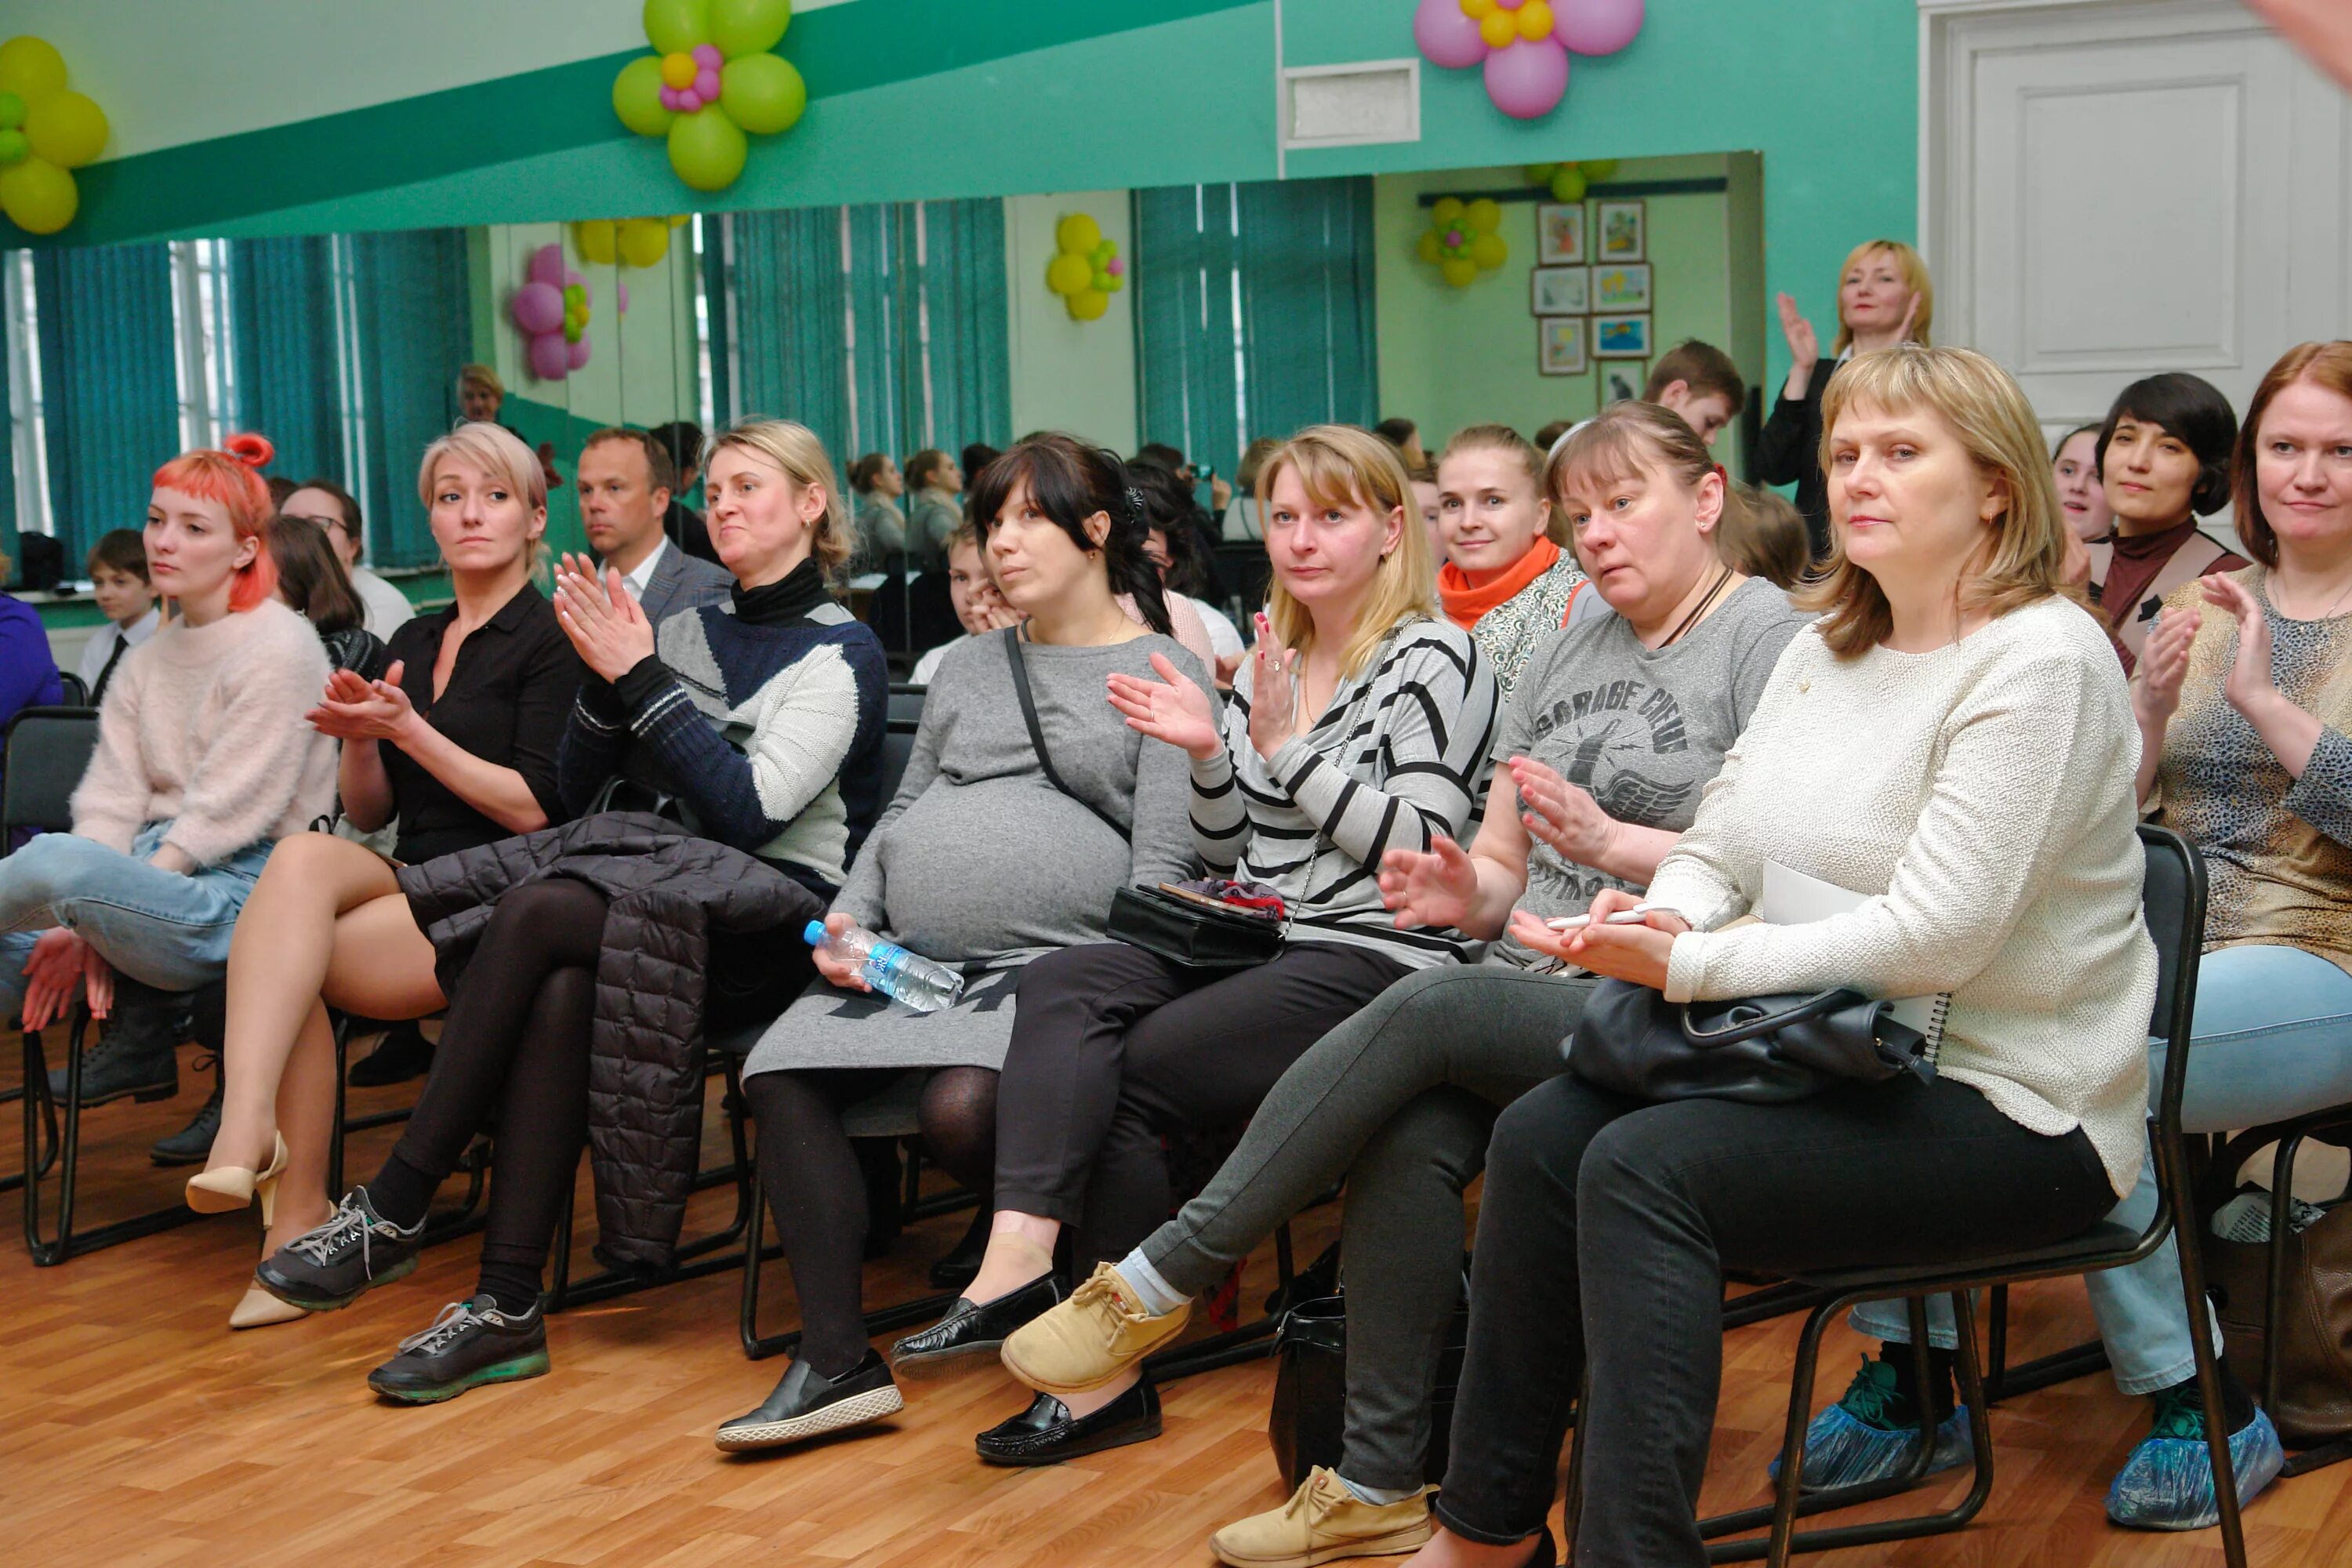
[203,762]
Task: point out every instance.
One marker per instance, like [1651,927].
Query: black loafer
[1047,1433]
[807,1403]
[969,1330]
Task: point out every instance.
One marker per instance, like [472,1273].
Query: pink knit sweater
[204,725]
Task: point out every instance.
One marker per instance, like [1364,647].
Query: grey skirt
[830,1027]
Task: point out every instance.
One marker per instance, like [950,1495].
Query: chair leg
[1571,1513]
[2201,1339]
[1792,1437]
[2275,1298]
[64,1154]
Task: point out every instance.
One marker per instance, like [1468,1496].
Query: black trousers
[1606,1225]
[1113,1048]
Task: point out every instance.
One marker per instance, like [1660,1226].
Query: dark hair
[1702,367]
[976,457]
[682,440]
[280,488]
[1160,455]
[123,550]
[1070,481]
[2059,445]
[1549,436]
[1763,533]
[1396,432]
[310,575]
[922,466]
[1168,506]
[2193,412]
[2327,366]
[865,470]
[348,505]
[661,472]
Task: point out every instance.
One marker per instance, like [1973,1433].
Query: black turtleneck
[788,599]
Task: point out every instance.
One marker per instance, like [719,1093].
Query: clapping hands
[607,628]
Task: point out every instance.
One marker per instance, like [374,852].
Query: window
[27,433]
[705,401]
[207,371]
[351,382]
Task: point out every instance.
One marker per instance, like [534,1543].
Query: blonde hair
[1619,443]
[502,459]
[795,450]
[1503,438]
[2024,561]
[1914,268]
[1340,466]
[483,376]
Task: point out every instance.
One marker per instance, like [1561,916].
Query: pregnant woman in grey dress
[980,862]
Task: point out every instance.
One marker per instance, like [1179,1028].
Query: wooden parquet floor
[136,1429]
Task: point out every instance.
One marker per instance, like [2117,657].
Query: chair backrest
[906,716]
[47,751]
[907,705]
[2172,902]
[77,694]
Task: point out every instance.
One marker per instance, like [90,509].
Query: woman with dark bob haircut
[2164,460]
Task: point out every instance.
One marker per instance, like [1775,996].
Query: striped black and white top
[1399,757]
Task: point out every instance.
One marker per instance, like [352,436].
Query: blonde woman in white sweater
[1953,742]
[202,763]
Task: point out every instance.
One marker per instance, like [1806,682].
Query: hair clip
[1136,512]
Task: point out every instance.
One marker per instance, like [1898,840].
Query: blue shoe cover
[2168,1482]
[1862,1438]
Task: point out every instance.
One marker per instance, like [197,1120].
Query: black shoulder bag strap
[1037,733]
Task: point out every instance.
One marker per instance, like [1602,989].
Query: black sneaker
[469,1344]
[192,1145]
[402,1054]
[133,1055]
[807,1403]
[333,1266]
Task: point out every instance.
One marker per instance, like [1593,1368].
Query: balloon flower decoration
[713,83]
[553,312]
[46,131]
[1086,268]
[1463,239]
[625,242]
[1568,182]
[1523,44]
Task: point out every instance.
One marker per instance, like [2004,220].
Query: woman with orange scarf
[1506,581]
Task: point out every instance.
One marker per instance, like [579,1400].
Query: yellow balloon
[31,68]
[1460,271]
[1498,28]
[1068,274]
[1484,214]
[1429,247]
[1478,10]
[65,128]
[1088,305]
[594,239]
[1535,21]
[1489,251]
[38,197]
[642,241]
[1077,234]
[1448,211]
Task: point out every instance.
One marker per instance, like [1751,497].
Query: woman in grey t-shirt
[1609,736]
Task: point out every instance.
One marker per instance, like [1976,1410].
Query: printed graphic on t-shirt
[1606,740]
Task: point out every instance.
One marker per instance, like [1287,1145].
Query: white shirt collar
[139,630]
[639,579]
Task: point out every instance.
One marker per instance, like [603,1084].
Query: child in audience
[1360,724]
[933,514]
[2163,459]
[1699,382]
[1949,657]
[983,861]
[881,525]
[456,746]
[1400,1098]
[1505,580]
[118,581]
[202,763]
[1763,535]
[788,787]
[336,510]
[2244,704]
[2075,464]
[978,608]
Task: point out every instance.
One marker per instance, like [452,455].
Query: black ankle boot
[402,1054]
[193,1144]
[133,1054]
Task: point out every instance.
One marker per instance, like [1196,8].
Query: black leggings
[817,1191]
[514,1048]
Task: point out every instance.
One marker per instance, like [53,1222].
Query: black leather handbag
[1310,1389]
[1192,932]
[1766,1051]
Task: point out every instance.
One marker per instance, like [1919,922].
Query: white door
[2112,188]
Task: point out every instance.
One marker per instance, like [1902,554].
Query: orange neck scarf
[1465,604]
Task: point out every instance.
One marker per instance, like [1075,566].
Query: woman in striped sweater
[1359,725]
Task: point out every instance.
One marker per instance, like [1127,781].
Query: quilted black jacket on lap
[668,893]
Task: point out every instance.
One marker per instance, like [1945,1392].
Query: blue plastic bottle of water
[908,978]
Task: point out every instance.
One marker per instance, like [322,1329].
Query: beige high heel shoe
[258,1309]
[228,1188]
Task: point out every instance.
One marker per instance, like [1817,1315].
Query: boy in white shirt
[118,581]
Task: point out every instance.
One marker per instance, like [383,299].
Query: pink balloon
[576,355]
[1115,266]
[1446,37]
[706,84]
[547,265]
[570,278]
[669,98]
[537,308]
[707,56]
[1526,79]
[688,101]
[1596,26]
[550,358]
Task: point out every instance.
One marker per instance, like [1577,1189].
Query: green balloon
[1102,253]
[762,93]
[636,96]
[1568,183]
[707,149]
[742,28]
[14,146]
[675,27]
[12,111]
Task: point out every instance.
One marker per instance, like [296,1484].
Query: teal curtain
[110,390]
[282,344]
[1186,392]
[784,290]
[968,362]
[415,329]
[882,332]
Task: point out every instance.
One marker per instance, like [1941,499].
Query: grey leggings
[1401,1099]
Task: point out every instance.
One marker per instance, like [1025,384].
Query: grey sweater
[980,863]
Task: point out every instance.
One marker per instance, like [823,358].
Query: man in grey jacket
[626,479]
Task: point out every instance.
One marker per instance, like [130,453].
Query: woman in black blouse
[456,744]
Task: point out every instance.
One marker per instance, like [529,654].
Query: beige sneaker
[1322,1522]
[1088,1341]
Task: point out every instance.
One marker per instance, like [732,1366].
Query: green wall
[1077,376]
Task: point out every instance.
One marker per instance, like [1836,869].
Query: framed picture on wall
[1622,381]
[1625,231]
[1622,286]
[1620,337]
[1560,345]
[1559,291]
[1560,233]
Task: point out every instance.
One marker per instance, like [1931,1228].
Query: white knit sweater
[204,725]
[1983,794]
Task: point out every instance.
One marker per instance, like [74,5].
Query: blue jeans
[166,930]
[2272,1038]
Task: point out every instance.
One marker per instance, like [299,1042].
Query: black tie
[98,692]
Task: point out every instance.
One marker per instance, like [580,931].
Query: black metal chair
[76,693]
[2173,900]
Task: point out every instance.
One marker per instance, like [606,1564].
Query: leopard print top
[1508,632]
